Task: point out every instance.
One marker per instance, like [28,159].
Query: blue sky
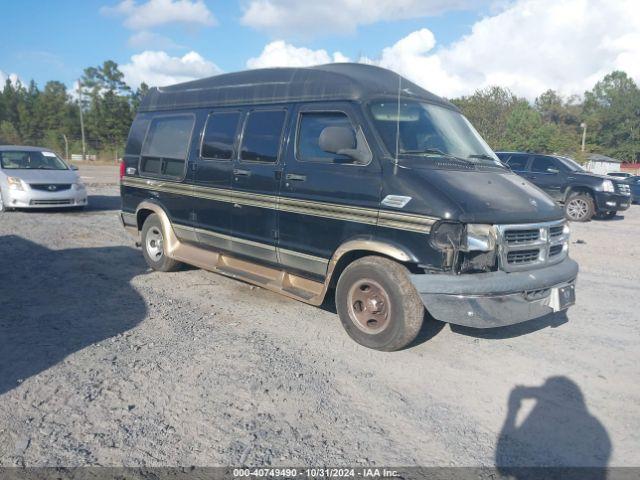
[449,46]
[57,39]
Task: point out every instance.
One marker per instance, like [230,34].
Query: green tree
[612,112]
[8,134]
[488,110]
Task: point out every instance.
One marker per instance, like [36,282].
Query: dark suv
[583,194]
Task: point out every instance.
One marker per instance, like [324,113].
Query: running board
[269,278]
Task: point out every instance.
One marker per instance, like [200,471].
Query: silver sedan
[32,177]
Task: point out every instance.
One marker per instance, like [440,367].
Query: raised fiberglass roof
[335,81]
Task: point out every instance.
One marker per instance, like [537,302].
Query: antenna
[398,120]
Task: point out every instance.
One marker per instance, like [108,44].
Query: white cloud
[528,46]
[157,68]
[15,79]
[293,17]
[282,54]
[153,13]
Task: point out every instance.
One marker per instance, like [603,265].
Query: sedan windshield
[31,160]
[414,128]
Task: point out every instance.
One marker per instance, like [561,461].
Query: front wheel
[579,207]
[378,305]
[154,246]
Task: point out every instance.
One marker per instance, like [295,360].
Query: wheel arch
[147,208]
[579,189]
[353,250]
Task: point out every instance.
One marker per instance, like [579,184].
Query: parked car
[34,177]
[583,194]
[634,184]
[343,178]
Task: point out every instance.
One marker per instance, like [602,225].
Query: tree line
[610,112]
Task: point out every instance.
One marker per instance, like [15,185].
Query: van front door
[256,180]
[325,198]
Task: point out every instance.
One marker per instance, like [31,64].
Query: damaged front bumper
[495,299]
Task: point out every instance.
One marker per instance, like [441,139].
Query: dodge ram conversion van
[343,178]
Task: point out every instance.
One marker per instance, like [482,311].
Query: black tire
[398,308]
[579,207]
[153,246]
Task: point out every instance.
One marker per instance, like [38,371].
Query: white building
[602,164]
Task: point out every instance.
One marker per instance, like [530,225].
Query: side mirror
[73,167]
[553,170]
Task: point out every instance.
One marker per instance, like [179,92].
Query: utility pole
[84,148]
[584,134]
[66,147]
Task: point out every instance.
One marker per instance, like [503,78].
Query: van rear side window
[165,148]
[220,135]
[262,134]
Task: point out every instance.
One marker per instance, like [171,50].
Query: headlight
[447,236]
[78,185]
[607,186]
[15,183]
[479,238]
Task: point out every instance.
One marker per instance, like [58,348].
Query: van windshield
[415,128]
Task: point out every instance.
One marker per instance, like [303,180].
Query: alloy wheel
[577,208]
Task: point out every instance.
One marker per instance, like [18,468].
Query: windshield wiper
[483,156]
[431,151]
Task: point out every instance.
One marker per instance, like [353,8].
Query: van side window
[136,135]
[165,148]
[311,126]
[262,134]
[518,163]
[220,135]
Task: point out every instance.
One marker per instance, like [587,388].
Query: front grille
[555,232]
[51,202]
[555,250]
[50,187]
[514,237]
[623,188]
[527,246]
[523,256]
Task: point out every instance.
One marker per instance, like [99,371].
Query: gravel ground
[104,362]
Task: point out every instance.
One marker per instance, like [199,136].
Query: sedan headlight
[607,186]
[15,183]
[78,185]
[479,238]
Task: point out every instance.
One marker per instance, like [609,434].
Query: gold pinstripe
[370,216]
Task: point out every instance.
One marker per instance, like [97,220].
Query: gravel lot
[104,362]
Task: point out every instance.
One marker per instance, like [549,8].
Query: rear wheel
[154,246]
[579,207]
[378,305]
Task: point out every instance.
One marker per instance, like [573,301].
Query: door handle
[295,177]
[241,173]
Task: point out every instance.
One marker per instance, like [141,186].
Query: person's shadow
[558,432]
[56,302]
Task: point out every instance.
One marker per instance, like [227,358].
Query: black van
[344,178]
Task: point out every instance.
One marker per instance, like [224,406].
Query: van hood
[473,196]
[43,176]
